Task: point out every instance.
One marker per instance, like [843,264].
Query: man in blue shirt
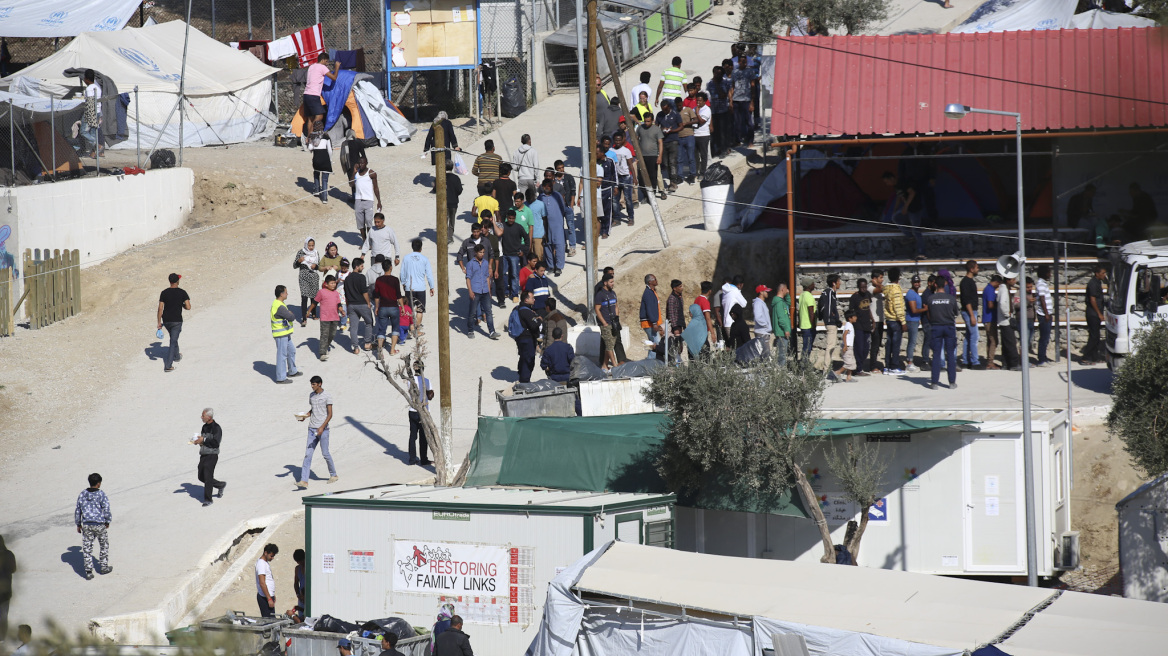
[478,287]
[556,211]
[538,285]
[557,358]
[416,278]
[744,80]
[914,307]
[989,319]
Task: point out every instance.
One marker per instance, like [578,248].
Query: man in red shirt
[525,272]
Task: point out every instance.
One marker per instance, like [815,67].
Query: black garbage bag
[514,101]
[395,625]
[751,351]
[585,369]
[545,385]
[330,624]
[636,369]
[162,159]
[717,174]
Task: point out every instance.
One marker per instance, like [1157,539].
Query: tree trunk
[811,502]
[854,544]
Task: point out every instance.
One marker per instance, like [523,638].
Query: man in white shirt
[702,132]
[620,155]
[382,241]
[265,582]
[643,87]
[731,296]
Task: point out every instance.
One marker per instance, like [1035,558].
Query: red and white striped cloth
[309,44]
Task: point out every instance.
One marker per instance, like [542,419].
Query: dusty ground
[241,596]
[1103,475]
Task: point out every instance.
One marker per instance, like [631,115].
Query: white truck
[1138,295]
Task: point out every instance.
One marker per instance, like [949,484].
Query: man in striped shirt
[673,81]
[486,166]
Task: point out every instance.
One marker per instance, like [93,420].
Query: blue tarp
[335,95]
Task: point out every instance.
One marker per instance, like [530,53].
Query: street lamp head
[956,110]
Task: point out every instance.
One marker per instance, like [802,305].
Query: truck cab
[1138,295]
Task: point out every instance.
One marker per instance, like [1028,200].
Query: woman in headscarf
[448,136]
[444,614]
[949,286]
[695,334]
[330,262]
[307,260]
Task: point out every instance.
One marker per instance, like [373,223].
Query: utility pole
[182,88]
[791,285]
[624,103]
[446,421]
[590,150]
[587,156]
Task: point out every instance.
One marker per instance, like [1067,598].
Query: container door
[995,523]
[629,528]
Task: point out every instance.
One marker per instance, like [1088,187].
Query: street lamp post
[958,111]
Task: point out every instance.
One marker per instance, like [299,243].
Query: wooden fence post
[6,289]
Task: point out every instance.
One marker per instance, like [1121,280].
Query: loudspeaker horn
[1009,266]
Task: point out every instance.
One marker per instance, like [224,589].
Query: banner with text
[450,568]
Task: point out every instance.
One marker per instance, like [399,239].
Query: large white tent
[624,598]
[229,91]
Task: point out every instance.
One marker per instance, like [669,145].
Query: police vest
[280,327]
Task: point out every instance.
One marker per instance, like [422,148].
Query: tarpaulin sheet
[51,18]
[619,453]
[1004,16]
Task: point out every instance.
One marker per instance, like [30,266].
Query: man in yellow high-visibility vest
[282,321]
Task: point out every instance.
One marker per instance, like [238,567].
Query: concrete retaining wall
[100,217]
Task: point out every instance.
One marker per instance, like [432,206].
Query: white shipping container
[404,550]
[621,396]
[953,501]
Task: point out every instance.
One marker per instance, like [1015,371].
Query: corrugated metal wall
[1057,79]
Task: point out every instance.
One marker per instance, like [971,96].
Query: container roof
[934,610]
[900,84]
[486,498]
[1080,624]
[971,416]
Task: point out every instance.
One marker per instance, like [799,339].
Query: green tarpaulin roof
[617,454]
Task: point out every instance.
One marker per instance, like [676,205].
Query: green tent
[618,454]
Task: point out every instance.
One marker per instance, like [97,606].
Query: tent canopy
[53,18]
[151,58]
[618,454]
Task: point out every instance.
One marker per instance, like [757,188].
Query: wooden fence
[52,286]
[7,285]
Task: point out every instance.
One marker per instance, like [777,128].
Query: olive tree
[403,377]
[860,468]
[748,424]
[1139,401]
[763,18]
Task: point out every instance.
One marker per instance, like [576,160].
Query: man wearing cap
[762,316]
[171,302]
[345,647]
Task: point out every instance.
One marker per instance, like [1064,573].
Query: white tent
[229,90]
[1099,19]
[625,598]
[1010,15]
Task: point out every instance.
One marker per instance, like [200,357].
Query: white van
[1138,295]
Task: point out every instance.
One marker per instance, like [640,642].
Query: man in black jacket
[829,315]
[452,641]
[208,440]
[526,340]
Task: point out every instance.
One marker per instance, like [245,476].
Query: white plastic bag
[459,165]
